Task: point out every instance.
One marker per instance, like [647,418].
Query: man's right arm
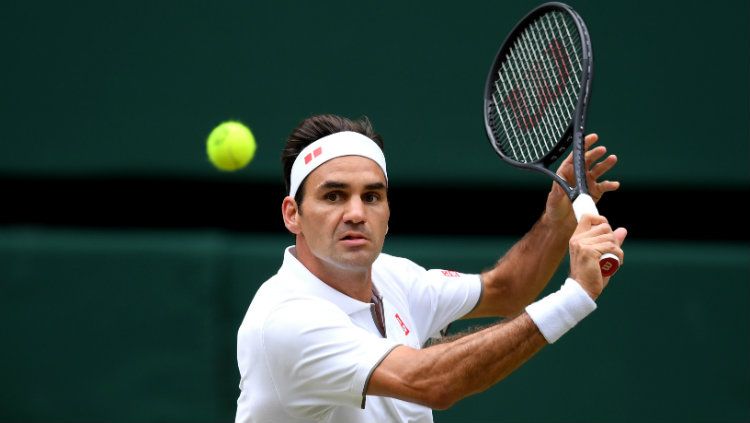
[442,374]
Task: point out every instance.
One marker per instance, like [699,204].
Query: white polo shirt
[306,351]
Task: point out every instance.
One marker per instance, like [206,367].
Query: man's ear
[289,212]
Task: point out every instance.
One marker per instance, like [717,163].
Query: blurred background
[127,261]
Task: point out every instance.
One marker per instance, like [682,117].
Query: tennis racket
[535,100]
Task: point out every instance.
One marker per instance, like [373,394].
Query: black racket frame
[570,136]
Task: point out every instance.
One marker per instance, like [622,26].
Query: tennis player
[338,334]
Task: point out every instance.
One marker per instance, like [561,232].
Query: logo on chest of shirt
[403,326]
[450,273]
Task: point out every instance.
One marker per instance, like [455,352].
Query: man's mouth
[353,237]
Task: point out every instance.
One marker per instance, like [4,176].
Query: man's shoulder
[277,292]
[390,262]
[395,275]
[278,298]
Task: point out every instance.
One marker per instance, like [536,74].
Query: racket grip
[584,204]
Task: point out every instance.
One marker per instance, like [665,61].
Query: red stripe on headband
[317,152]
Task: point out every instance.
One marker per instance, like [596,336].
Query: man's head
[313,129]
[338,167]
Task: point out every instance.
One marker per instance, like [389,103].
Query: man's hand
[592,238]
[559,208]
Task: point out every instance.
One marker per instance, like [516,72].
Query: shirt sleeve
[318,358]
[440,297]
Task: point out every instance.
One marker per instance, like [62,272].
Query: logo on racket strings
[554,66]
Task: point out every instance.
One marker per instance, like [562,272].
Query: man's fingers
[620,234]
[589,222]
[602,167]
[566,166]
[607,186]
[590,140]
[594,154]
[602,239]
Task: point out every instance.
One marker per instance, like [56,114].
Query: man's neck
[354,283]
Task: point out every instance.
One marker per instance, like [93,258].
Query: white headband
[345,143]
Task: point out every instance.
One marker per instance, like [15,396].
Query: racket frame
[574,132]
[579,195]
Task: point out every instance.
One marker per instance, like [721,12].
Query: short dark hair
[311,130]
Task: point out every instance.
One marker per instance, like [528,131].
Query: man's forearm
[539,254]
[524,271]
[440,375]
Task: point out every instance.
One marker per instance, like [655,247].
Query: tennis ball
[230,146]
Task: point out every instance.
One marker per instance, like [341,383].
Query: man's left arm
[522,273]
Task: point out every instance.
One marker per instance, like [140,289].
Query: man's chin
[358,258]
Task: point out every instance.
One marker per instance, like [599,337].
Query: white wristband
[558,312]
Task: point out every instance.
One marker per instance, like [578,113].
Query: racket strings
[527,59]
[536,90]
[573,61]
[529,52]
[529,55]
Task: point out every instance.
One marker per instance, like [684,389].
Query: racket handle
[584,204]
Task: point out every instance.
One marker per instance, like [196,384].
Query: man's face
[344,216]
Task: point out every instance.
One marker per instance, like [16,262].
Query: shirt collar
[305,282]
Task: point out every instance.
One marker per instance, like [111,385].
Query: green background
[140,325]
[102,88]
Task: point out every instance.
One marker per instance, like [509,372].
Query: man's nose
[355,210]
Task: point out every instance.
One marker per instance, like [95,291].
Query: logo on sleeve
[403,326]
[450,273]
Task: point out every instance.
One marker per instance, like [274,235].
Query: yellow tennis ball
[230,146]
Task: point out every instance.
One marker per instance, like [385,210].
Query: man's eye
[332,196]
[371,197]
